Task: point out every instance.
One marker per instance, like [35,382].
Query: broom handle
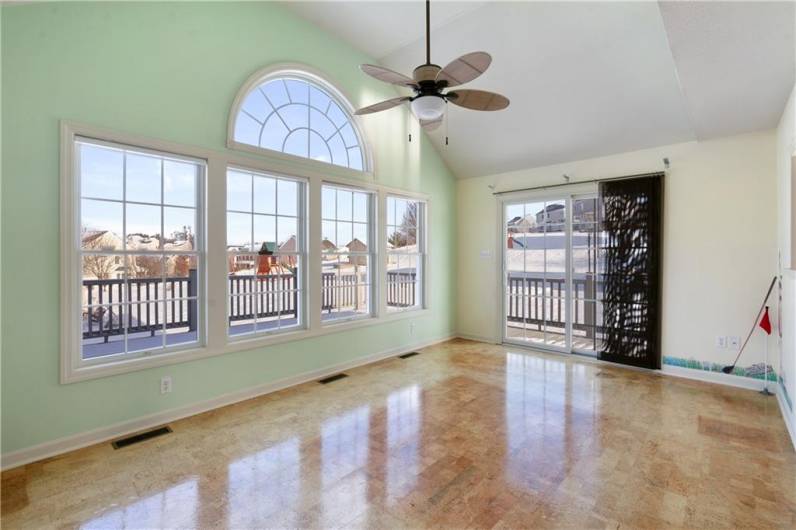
[757,319]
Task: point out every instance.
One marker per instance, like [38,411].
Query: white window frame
[421,254]
[215,313]
[312,75]
[301,252]
[372,253]
[72,362]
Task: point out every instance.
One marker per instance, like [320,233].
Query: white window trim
[422,240]
[313,75]
[373,217]
[71,336]
[303,253]
[217,342]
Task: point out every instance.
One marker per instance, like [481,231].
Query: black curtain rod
[549,186]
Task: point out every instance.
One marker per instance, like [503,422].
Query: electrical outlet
[721,341]
[734,342]
[165,384]
[411,328]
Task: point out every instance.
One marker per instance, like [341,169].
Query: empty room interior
[398,264]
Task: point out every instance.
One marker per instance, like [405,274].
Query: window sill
[95,371]
[406,312]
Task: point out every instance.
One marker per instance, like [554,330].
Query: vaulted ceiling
[586,79]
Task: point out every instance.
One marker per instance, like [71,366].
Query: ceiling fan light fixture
[428,107]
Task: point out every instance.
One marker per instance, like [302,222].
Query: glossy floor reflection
[465,435]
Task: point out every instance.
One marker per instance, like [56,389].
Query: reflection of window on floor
[348,253]
[263,484]
[404,416]
[175,507]
[345,443]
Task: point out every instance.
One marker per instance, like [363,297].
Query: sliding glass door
[551,267]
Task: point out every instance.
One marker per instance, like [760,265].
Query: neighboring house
[556,215]
[327,246]
[143,242]
[583,213]
[97,266]
[522,224]
[100,240]
[357,246]
[245,260]
[288,246]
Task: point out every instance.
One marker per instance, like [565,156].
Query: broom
[730,368]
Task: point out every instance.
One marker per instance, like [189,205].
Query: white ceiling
[586,79]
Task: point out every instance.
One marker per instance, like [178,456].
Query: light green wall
[168,71]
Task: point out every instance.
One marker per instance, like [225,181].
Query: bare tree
[101,267]
[406,233]
[145,267]
[182,266]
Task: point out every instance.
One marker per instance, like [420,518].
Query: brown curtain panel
[633,245]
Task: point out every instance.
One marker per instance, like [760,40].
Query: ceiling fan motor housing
[426,72]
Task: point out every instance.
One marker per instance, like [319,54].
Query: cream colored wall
[720,244]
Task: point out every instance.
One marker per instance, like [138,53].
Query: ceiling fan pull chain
[446,123]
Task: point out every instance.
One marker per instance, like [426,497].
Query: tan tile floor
[465,435]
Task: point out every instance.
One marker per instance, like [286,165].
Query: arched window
[298,114]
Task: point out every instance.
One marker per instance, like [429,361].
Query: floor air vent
[140,437]
[407,355]
[332,378]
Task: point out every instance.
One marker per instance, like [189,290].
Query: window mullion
[125,271]
[217,273]
[314,266]
[381,252]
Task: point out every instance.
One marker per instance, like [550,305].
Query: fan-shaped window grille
[299,117]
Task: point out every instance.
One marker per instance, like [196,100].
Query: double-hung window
[266,253]
[139,252]
[406,253]
[347,253]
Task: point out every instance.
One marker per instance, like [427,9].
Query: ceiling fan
[429,83]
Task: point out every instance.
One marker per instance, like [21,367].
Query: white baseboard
[709,377]
[716,377]
[676,371]
[478,338]
[103,434]
[786,415]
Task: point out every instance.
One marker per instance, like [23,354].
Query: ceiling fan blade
[478,99]
[387,76]
[465,68]
[382,105]
[431,125]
